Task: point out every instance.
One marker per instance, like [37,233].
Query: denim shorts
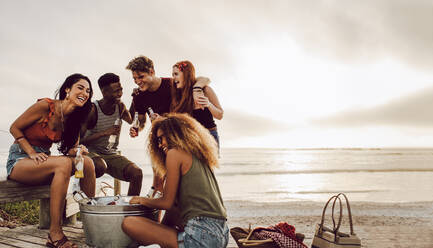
[204,232]
[16,153]
[216,137]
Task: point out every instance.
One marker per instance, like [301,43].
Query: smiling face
[162,141]
[143,79]
[178,78]
[79,92]
[113,92]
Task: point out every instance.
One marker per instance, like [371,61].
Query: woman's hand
[203,101]
[84,150]
[73,151]
[38,157]
[136,200]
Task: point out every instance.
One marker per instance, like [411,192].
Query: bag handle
[335,229]
[335,197]
[349,211]
[253,242]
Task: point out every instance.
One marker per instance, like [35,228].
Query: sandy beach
[377,224]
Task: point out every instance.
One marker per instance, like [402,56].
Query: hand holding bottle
[133,131]
[114,131]
[197,93]
[79,162]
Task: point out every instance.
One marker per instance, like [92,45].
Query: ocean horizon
[298,174]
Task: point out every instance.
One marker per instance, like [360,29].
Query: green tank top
[199,194]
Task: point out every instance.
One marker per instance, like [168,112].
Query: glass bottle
[113,137]
[136,123]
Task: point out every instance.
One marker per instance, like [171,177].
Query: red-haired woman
[200,102]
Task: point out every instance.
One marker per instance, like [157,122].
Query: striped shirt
[103,122]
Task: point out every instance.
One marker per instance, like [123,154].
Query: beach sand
[377,224]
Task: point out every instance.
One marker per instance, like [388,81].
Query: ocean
[281,175]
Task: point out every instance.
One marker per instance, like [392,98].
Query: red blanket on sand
[282,234]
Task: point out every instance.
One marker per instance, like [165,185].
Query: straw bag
[326,237]
[278,236]
[245,238]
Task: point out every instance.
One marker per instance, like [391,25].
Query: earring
[67,96]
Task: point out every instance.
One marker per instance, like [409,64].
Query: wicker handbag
[326,237]
[245,238]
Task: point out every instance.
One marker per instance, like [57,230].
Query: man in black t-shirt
[154,92]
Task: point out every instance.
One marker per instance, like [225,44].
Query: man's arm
[132,108]
[202,82]
[124,113]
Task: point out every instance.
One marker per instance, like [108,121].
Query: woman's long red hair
[182,100]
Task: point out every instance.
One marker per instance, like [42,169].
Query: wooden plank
[44,213]
[22,240]
[31,234]
[12,191]
[7,245]
[117,187]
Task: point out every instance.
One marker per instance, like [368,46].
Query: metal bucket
[102,222]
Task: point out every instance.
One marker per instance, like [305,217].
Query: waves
[288,172]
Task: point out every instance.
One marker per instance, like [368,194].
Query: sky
[288,74]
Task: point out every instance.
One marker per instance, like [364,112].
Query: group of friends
[183,145]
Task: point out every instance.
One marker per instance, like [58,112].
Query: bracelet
[19,138]
[197,87]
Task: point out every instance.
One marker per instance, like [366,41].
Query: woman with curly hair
[186,154]
[200,102]
[46,122]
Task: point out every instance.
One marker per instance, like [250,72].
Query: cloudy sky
[287,73]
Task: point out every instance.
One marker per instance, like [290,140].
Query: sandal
[59,243]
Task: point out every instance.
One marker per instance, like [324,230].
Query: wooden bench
[11,191]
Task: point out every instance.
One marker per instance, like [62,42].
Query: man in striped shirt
[101,135]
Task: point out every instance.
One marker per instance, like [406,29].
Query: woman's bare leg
[57,169]
[146,231]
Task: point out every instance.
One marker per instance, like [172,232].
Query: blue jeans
[203,232]
[16,153]
[216,137]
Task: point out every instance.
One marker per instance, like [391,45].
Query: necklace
[61,114]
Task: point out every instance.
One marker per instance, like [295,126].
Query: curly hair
[184,133]
[141,63]
[77,118]
[182,100]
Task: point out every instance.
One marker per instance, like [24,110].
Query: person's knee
[127,223]
[100,166]
[64,167]
[133,173]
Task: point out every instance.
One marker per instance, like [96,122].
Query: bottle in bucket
[113,137]
[76,190]
[158,194]
[136,122]
[79,164]
[150,193]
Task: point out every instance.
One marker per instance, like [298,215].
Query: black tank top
[204,116]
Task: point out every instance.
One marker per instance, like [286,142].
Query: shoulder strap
[52,109]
